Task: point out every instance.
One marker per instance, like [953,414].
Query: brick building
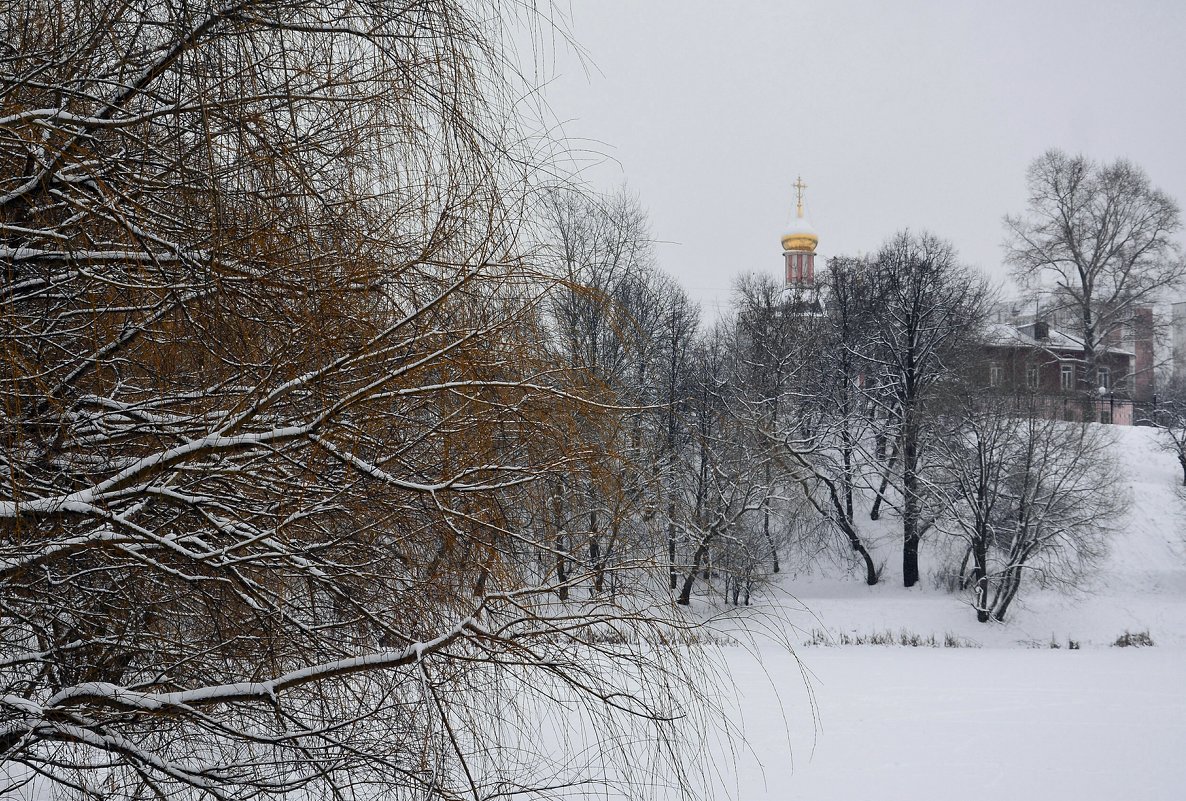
[1036,358]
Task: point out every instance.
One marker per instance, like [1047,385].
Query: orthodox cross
[799,187]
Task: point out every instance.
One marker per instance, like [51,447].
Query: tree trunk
[1010,584]
[673,575]
[766,524]
[561,568]
[685,593]
[840,516]
[775,566]
[910,560]
[846,450]
[875,512]
[910,505]
[980,550]
[559,545]
[961,576]
[594,550]
[854,541]
[1089,378]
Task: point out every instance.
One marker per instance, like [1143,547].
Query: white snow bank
[920,723]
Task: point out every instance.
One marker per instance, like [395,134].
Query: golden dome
[800,235]
[804,240]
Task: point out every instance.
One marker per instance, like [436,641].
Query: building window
[996,375]
[1031,376]
[1105,377]
[1105,414]
[1067,376]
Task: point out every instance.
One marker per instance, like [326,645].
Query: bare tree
[771,343]
[675,388]
[1030,496]
[278,411]
[829,458]
[1170,418]
[611,315]
[928,308]
[978,439]
[1067,496]
[728,468]
[604,314]
[688,452]
[1103,234]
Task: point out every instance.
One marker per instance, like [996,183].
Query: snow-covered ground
[922,723]
[1012,719]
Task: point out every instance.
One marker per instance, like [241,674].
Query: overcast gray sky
[919,114]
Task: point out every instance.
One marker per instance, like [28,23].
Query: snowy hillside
[1013,718]
[1141,585]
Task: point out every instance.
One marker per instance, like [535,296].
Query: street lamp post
[1111,403]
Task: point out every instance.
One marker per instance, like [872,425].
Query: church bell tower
[798,245]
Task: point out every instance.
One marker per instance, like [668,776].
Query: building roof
[1008,335]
